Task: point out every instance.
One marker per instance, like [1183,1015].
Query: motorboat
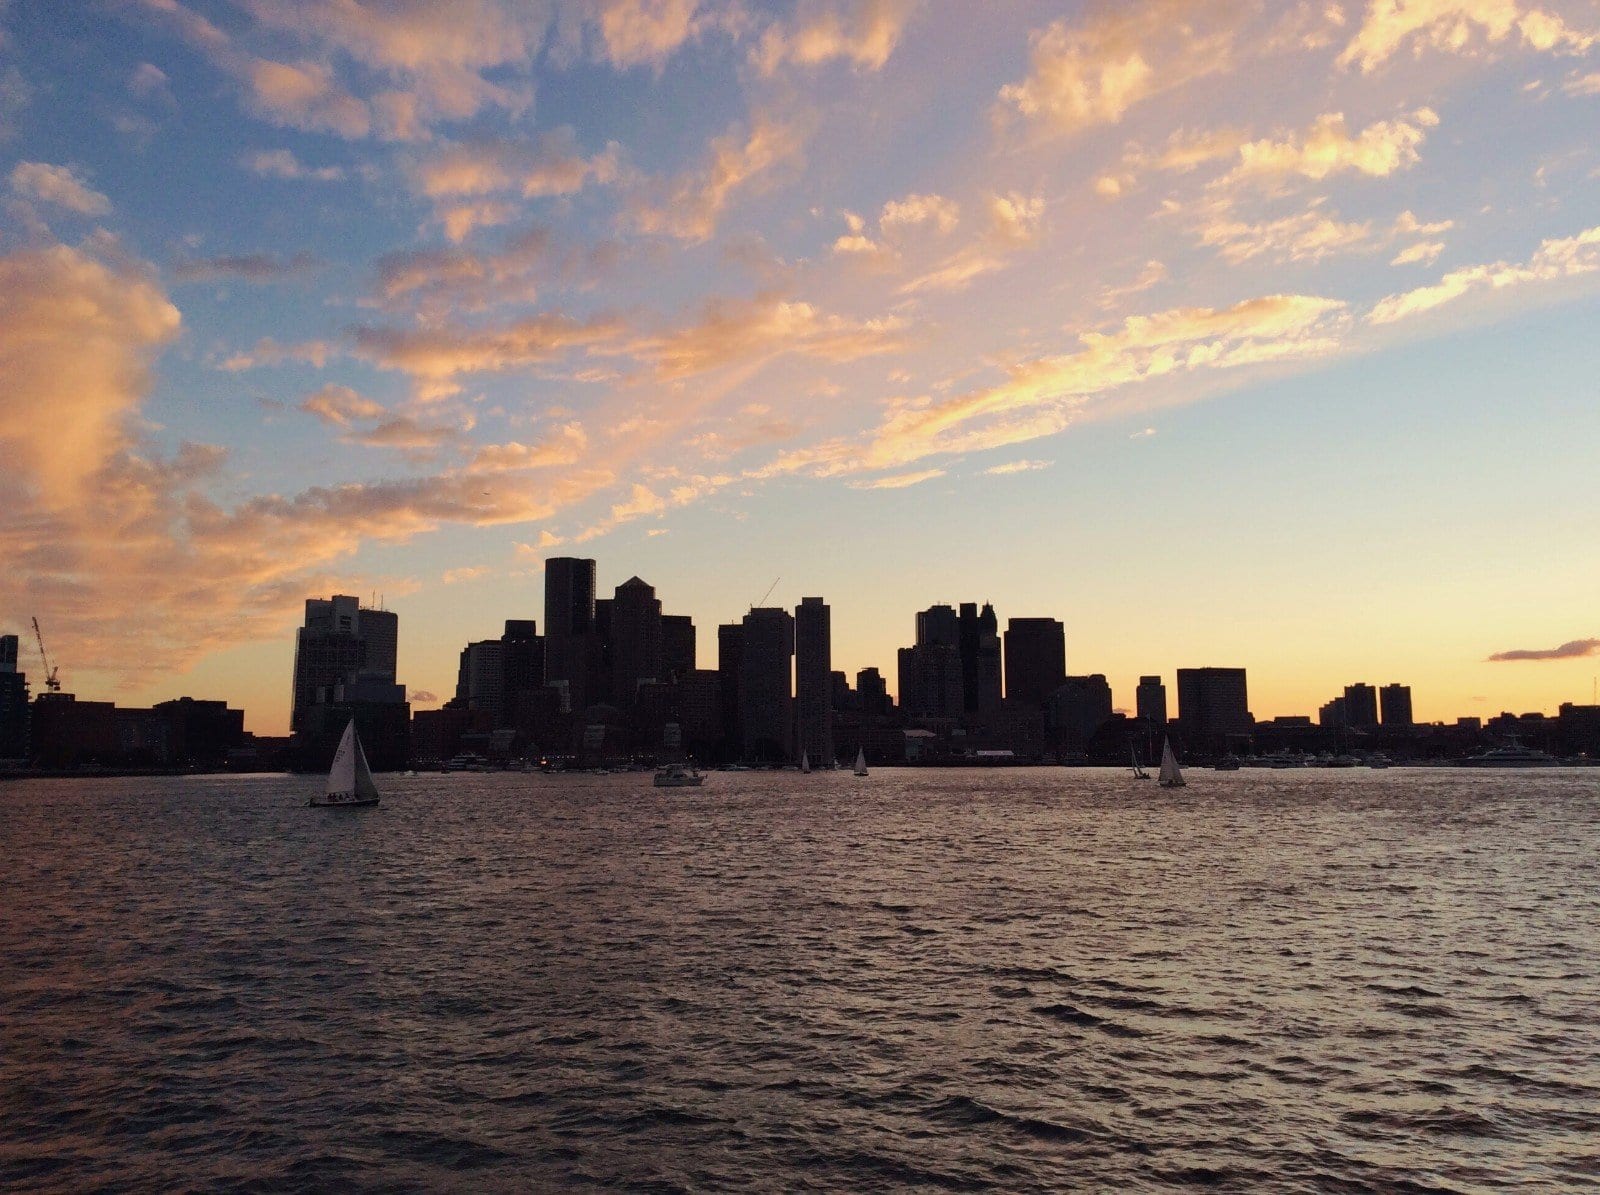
[677,776]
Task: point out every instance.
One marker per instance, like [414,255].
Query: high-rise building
[635,640]
[813,680]
[569,626]
[1036,660]
[480,678]
[872,692]
[1080,707]
[930,681]
[766,695]
[1333,714]
[521,667]
[979,633]
[677,645]
[1213,702]
[1361,706]
[730,668]
[340,640]
[1151,700]
[1395,705]
[938,625]
[14,709]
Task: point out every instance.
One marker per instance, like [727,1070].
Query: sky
[1241,334]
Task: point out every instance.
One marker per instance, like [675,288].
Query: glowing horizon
[1257,335]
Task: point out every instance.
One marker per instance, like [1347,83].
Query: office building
[1334,715]
[872,693]
[569,626]
[14,710]
[1150,700]
[930,681]
[521,669]
[1036,660]
[981,675]
[340,640]
[938,626]
[8,654]
[1213,703]
[766,695]
[1361,706]
[1078,708]
[1394,705]
[634,639]
[813,679]
[730,666]
[480,678]
[677,645]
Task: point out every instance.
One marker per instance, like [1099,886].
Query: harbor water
[1019,980]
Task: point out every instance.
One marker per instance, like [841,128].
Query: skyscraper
[1213,702]
[730,668]
[1361,706]
[480,678]
[1080,707]
[340,640]
[1036,660]
[938,626]
[766,698]
[8,653]
[14,710]
[521,666]
[677,645]
[1395,701]
[813,680]
[635,640]
[568,625]
[1151,701]
[989,671]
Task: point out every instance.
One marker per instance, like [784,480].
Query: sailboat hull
[334,802]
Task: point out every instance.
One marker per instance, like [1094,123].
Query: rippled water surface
[1022,980]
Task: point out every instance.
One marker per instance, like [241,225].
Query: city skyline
[1255,335]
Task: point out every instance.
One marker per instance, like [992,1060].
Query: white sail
[805,761]
[861,761]
[365,789]
[1171,777]
[342,776]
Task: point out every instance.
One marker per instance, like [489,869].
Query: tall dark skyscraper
[1151,701]
[1395,701]
[677,645]
[813,680]
[1361,706]
[635,640]
[1081,706]
[480,678]
[989,675]
[1213,702]
[872,691]
[569,625]
[730,669]
[340,641]
[931,673]
[766,696]
[1036,660]
[14,711]
[938,626]
[8,653]
[521,666]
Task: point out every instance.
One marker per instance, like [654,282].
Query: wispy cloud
[1575,650]
[60,186]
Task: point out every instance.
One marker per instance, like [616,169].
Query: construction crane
[51,681]
[768,594]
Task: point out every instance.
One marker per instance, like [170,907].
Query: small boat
[1229,763]
[1138,772]
[861,761]
[349,780]
[1171,777]
[677,776]
[805,762]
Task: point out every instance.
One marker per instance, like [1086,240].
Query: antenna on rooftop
[768,594]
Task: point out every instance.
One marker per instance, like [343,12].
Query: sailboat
[349,780]
[1138,772]
[1170,776]
[861,761]
[805,762]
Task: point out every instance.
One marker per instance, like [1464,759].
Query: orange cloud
[689,207]
[58,185]
[1453,26]
[864,33]
[1555,259]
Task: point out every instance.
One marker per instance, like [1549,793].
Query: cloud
[406,434]
[1093,72]
[421,697]
[281,163]
[455,576]
[1329,148]
[1577,649]
[689,207]
[942,213]
[269,352]
[1014,221]
[1421,253]
[645,32]
[898,481]
[863,32]
[1455,26]
[342,406]
[147,79]
[243,267]
[1583,84]
[1010,467]
[58,185]
[536,551]
[566,447]
[15,95]
[552,164]
[1307,236]
[436,356]
[1555,259]
[304,96]
[765,327]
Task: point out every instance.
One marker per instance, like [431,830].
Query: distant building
[1078,708]
[480,678]
[730,668]
[1360,706]
[1394,705]
[938,625]
[677,645]
[813,679]
[340,639]
[521,668]
[634,639]
[1335,714]
[930,681]
[14,710]
[872,693]
[766,695]
[1150,700]
[1213,703]
[1035,660]
[569,625]
[981,674]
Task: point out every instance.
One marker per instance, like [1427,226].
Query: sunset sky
[1255,334]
